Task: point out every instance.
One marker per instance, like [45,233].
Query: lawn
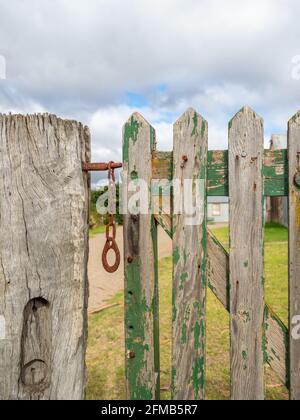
[97,230]
[105,355]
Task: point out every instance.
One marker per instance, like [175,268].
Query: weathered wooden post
[246,191]
[294,253]
[140,252]
[44,199]
[189,257]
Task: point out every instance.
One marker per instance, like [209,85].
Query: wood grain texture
[44,251]
[218,270]
[217,173]
[189,261]
[276,347]
[294,252]
[246,255]
[275,172]
[140,250]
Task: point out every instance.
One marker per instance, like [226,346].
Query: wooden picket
[189,259]
[294,250]
[140,253]
[247,174]
[246,255]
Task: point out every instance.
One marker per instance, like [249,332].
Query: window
[216,210]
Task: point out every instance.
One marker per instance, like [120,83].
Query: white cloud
[78,59]
[106,128]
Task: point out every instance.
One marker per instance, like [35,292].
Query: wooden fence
[247,174]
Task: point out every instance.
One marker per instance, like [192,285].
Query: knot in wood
[184,160]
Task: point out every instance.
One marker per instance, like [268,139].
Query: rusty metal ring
[111,245]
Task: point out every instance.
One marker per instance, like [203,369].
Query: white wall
[224,207]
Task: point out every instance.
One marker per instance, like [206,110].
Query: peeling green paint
[275,172]
[134,176]
[195,121]
[184,334]
[156,307]
[184,329]
[152,138]
[141,314]
[203,129]
[198,307]
[199,335]
[176,256]
[183,279]
[265,340]
[131,131]
[198,378]
[135,324]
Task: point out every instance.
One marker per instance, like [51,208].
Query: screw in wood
[131,355]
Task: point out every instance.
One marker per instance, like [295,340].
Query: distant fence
[247,174]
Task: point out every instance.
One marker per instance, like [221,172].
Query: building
[277,207]
[218,209]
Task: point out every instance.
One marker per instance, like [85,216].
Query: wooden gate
[247,174]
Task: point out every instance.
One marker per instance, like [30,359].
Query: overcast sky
[100,60]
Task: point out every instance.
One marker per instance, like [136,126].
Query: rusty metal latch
[111,230]
[100,167]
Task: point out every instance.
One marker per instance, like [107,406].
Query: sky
[98,61]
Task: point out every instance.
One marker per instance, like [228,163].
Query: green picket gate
[247,174]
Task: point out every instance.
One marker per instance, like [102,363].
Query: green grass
[273,233]
[105,355]
[97,230]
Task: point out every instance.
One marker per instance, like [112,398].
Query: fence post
[44,200]
[140,253]
[294,253]
[189,258]
[246,152]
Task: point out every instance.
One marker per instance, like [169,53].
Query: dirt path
[104,286]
